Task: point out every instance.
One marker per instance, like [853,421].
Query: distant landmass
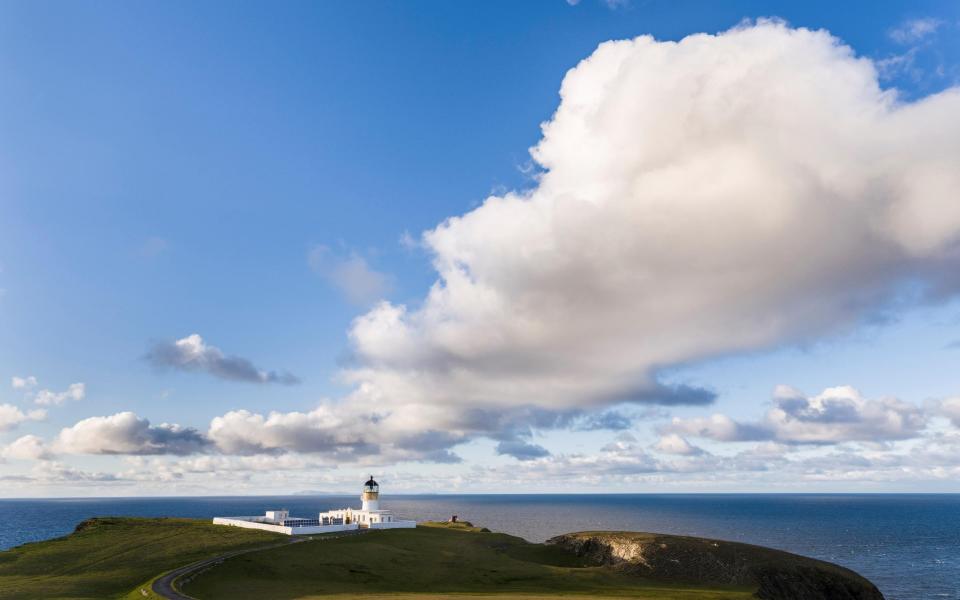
[126,557]
[321,493]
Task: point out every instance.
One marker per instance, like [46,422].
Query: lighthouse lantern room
[370,497]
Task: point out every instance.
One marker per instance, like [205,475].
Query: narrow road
[165,586]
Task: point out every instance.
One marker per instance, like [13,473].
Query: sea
[907,544]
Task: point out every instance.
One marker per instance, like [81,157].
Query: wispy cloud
[912,31]
[153,246]
[918,36]
[23,383]
[611,4]
[351,275]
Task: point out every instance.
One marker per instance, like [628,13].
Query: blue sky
[261,175]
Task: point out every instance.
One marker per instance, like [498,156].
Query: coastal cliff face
[778,575]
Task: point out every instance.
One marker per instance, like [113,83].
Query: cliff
[777,575]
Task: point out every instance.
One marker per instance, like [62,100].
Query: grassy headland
[110,557]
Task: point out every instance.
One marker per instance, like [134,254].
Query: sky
[594,246]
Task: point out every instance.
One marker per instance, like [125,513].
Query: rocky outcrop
[777,575]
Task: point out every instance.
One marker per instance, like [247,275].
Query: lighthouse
[370,496]
[369,516]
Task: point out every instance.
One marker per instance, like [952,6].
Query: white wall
[394,525]
[239,522]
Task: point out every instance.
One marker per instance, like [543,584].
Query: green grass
[111,557]
[432,561]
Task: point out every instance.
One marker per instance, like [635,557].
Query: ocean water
[909,545]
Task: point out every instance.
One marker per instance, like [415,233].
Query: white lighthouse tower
[370,515]
[370,496]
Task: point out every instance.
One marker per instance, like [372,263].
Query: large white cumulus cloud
[702,197]
[718,194]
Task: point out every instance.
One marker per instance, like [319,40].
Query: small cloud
[28,447]
[672,443]
[408,242]
[126,433]
[193,354]
[915,30]
[76,391]
[45,397]
[153,246]
[521,450]
[351,275]
[948,408]
[11,416]
[23,383]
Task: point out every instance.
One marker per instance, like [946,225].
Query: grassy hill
[108,558]
[432,561]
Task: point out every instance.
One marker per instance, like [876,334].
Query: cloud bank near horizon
[838,414]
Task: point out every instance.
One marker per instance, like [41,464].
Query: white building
[368,516]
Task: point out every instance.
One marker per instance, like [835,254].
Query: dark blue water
[909,545]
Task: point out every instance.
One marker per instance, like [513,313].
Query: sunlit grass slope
[109,557]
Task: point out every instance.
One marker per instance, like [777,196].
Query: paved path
[165,586]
